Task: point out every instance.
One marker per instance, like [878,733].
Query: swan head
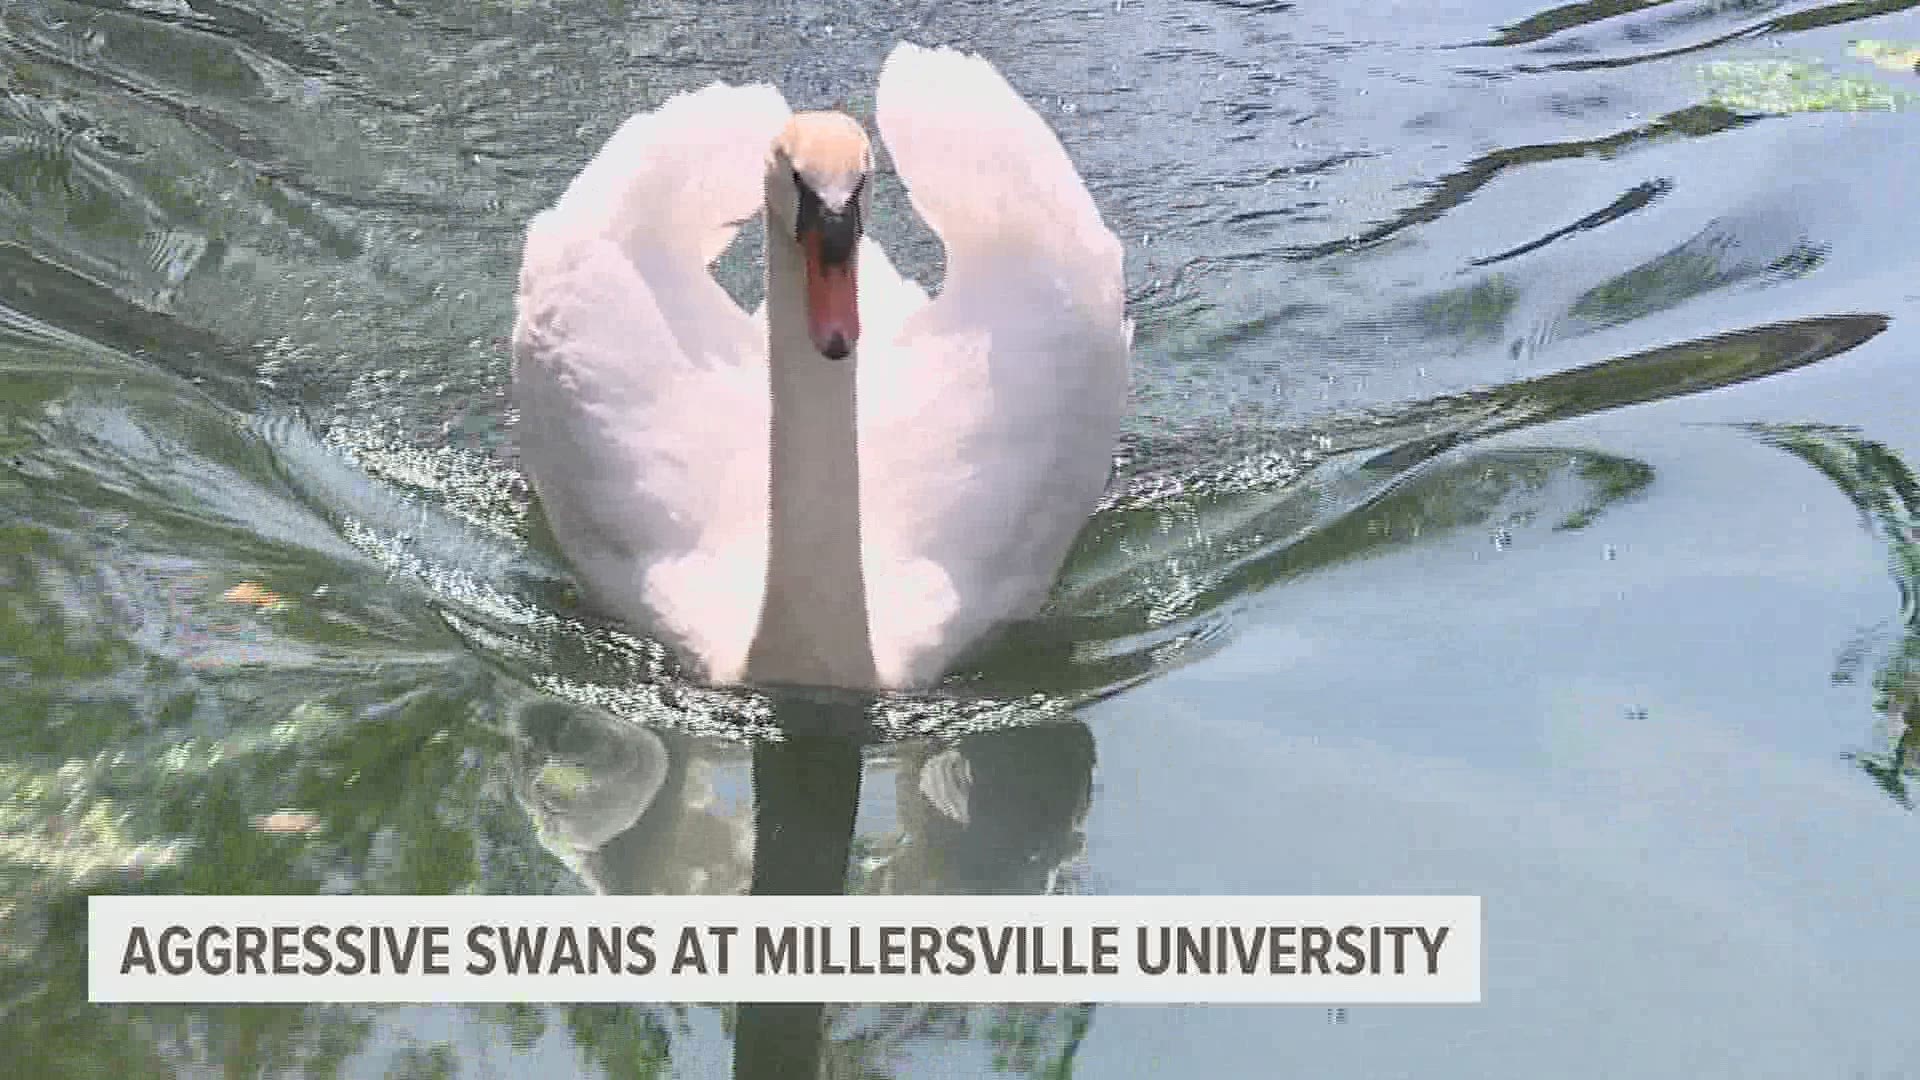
[817,197]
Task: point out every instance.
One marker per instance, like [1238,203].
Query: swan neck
[813,626]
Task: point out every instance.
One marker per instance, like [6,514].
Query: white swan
[833,491]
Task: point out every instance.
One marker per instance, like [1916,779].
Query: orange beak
[833,308]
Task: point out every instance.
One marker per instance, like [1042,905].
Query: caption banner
[1323,950]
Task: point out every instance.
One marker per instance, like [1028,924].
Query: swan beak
[831,243]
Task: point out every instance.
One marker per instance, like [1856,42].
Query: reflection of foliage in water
[1475,312]
[1147,584]
[1720,255]
[206,694]
[624,1041]
[1610,479]
[1887,494]
[1021,1043]
[1037,1041]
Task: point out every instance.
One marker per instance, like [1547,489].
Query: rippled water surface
[1519,501]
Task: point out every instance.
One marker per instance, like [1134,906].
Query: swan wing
[988,419]
[641,385]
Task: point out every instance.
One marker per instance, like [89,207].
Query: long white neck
[813,621]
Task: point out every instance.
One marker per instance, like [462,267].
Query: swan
[855,484]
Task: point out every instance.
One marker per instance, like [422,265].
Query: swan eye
[801,194]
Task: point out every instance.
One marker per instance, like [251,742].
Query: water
[1518,502]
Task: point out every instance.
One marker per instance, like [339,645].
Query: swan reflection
[635,811]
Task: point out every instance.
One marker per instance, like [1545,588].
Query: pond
[1518,501]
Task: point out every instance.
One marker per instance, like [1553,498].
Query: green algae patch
[1903,57]
[1797,86]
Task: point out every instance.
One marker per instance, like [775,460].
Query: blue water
[1516,503]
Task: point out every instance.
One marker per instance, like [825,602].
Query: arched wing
[641,384]
[988,423]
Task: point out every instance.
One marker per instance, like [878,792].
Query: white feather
[986,416]
[987,428]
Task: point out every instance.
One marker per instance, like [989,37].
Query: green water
[1519,501]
